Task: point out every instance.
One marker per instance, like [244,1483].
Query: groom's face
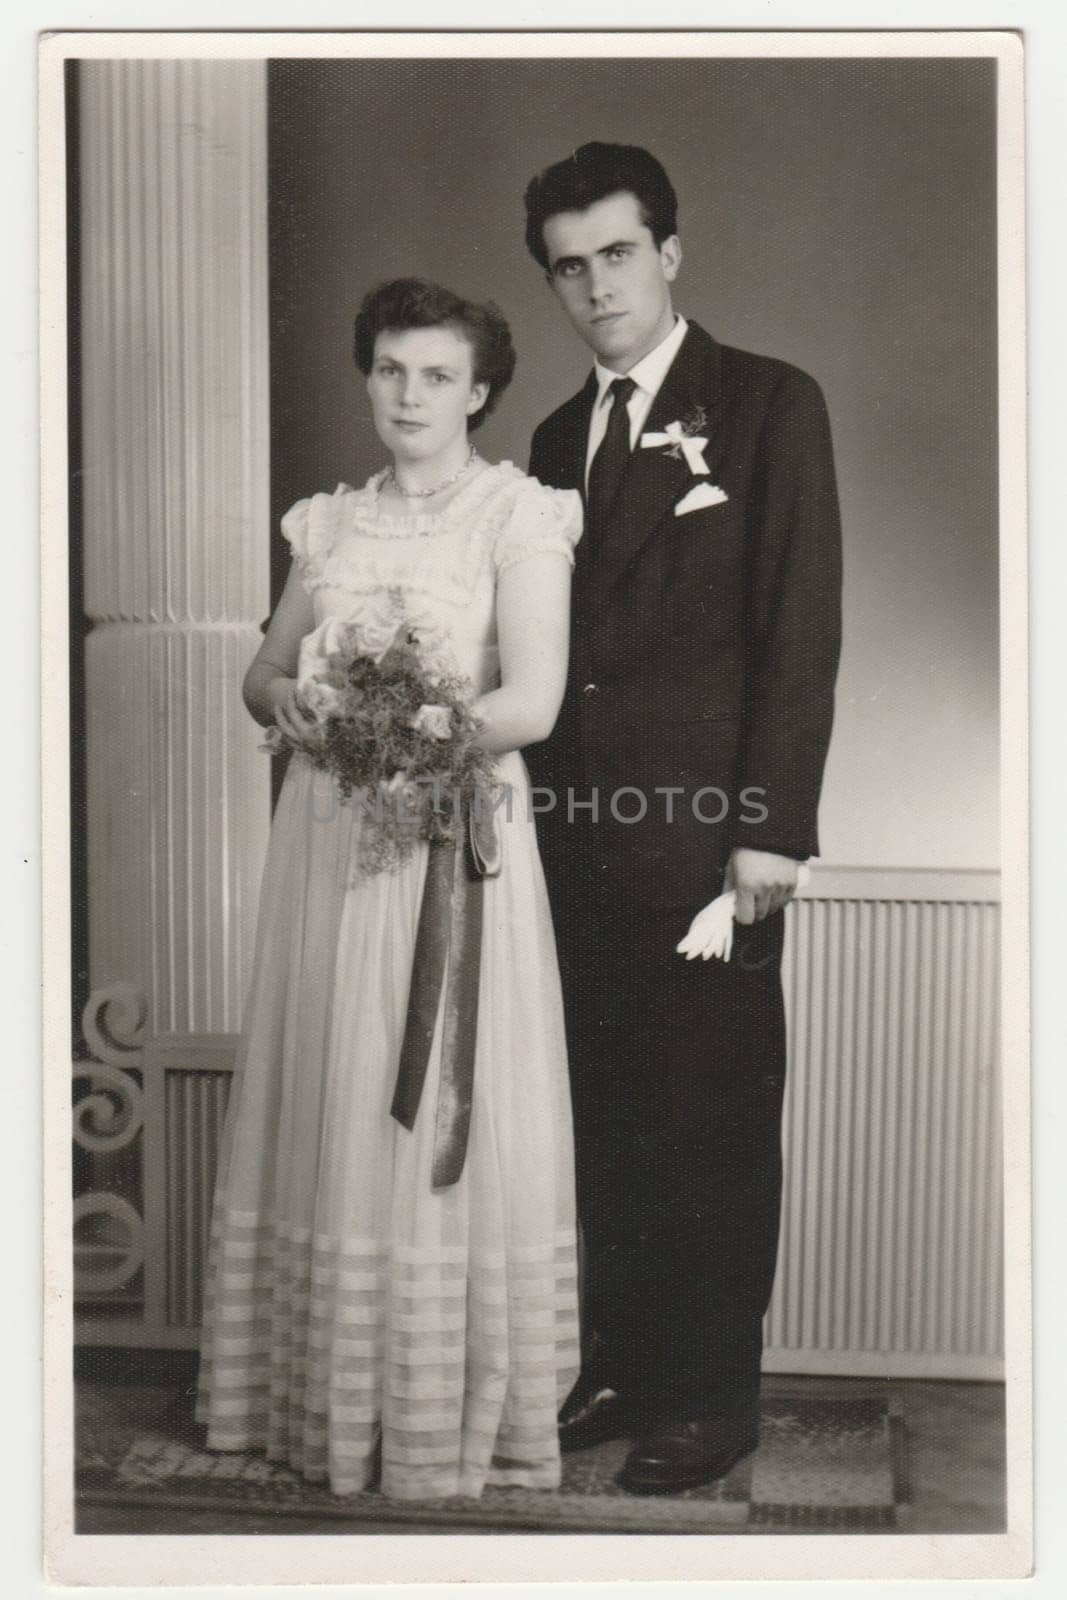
[612,278]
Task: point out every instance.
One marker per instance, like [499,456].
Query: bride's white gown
[345,1297]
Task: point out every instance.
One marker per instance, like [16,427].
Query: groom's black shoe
[591,1414]
[683,1455]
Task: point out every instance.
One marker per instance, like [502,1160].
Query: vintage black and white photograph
[531,553]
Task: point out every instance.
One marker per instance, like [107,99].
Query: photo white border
[541,1557]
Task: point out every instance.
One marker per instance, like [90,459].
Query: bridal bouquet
[394,727]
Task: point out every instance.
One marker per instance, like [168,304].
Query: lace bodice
[359,558]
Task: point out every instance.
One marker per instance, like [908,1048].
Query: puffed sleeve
[311,528]
[541,520]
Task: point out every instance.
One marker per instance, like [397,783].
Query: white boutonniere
[682,439]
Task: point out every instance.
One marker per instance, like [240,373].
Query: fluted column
[176,509]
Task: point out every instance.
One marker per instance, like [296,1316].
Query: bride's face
[422,391]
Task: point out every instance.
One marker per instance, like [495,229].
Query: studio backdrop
[226,220]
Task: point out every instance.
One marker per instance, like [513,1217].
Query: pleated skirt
[351,1311]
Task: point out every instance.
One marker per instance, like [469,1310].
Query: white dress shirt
[648,375]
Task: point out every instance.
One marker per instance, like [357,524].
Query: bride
[363,1305]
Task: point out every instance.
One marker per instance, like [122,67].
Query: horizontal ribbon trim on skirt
[449,935]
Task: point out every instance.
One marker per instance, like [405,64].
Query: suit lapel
[655,480]
[573,439]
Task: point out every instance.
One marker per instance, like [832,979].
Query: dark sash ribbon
[449,935]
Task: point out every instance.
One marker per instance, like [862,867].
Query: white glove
[711,932]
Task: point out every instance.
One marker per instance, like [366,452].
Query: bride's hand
[288,714]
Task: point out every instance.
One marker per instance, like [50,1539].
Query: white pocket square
[702,494]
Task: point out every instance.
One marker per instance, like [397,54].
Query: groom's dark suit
[703,657]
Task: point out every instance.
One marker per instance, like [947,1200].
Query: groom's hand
[762,881]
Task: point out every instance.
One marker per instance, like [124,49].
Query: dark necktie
[608,465]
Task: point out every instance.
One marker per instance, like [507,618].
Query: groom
[687,760]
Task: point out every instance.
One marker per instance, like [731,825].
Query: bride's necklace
[424,494]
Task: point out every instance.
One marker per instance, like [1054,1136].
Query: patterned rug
[823,1465]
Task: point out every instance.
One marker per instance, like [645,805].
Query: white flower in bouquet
[432,642]
[375,635]
[322,698]
[434,721]
[330,638]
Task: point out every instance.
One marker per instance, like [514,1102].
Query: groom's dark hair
[592,173]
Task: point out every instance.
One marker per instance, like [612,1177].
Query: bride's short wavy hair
[405,303]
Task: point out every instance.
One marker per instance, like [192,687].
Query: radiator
[891,1249]
[891,1246]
